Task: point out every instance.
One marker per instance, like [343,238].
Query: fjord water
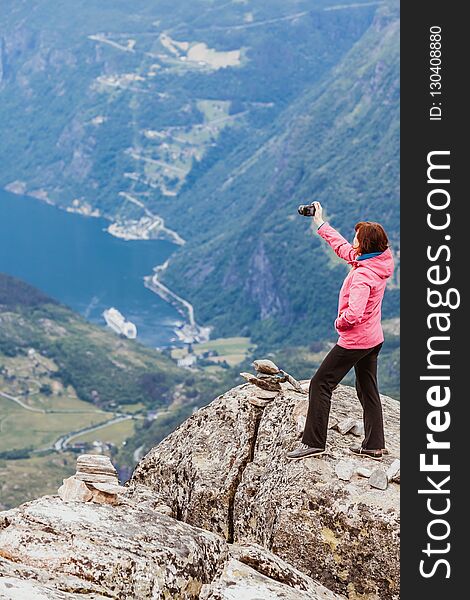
[73,259]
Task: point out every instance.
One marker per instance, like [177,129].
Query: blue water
[73,259]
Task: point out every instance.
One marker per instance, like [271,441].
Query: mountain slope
[116,107]
[254,267]
[65,383]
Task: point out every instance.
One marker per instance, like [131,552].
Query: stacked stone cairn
[95,480]
[268,380]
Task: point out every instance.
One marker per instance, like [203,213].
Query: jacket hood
[382,265]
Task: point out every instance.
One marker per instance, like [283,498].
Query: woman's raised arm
[340,245]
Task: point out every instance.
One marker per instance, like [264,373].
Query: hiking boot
[373,454]
[304,451]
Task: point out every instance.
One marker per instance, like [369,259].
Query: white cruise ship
[117,322]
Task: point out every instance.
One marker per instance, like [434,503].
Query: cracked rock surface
[52,550]
[225,470]
[197,469]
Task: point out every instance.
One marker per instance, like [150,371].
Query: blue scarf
[370,255]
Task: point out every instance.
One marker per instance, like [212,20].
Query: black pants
[336,365]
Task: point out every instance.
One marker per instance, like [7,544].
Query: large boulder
[225,470]
[240,582]
[125,551]
[56,550]
[196,470]
[217,512]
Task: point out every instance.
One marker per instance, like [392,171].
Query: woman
[360,338]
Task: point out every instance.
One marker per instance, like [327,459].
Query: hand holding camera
[314,210]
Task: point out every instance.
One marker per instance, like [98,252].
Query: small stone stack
[95,480]
[268,379]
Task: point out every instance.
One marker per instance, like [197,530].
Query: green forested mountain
[251,264]
[221,117]
[118,106]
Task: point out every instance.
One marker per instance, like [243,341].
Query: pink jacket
[360,299]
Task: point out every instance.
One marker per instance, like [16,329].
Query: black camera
[306,210]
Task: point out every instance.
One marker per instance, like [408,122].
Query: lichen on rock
[123,551]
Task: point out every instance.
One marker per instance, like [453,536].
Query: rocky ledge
[225,470]
[217,512]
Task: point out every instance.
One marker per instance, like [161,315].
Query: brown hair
[371,237]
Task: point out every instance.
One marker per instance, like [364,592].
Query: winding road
[62,443]
[22,404]
[153,283]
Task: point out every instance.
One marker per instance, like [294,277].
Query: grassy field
[116,433]
[46,409]
[22,428]
[232,350]
[23,480]
[214,109]
[132,408]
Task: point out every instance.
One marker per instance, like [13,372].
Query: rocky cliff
[216,512]
[225,470]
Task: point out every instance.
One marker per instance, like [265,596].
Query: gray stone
[265,384]
[358,429]
[294,383]
[300,424]
[96,478]
[378,479]
[393,469]
[107,488]
[332,423]
[266,366]
[257,401]
[345,425]
[344,469]
[262,398]
[74,490]
[265,394]
[126,551]
[272,566]
[363,472]
[238,581]
[96,468]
